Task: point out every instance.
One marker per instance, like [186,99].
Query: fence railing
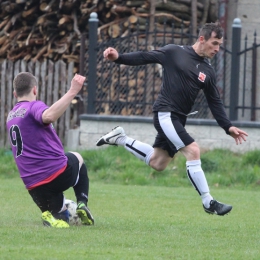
[53,79]
[124,90]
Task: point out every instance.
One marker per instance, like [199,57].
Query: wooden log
[121,9]
[43,6]
[29,12]
[105,26]
[11,7]
[52,16]
[189,2]
[5,47]
[135,3]
[75,24]
[50,6]
[161,15]
[3,39]
[40,53]
[66,7]
[9,24]
[20,1]
[70,57]
[65,19]
[114,31]
[4,22]
[18,53]
[27,57]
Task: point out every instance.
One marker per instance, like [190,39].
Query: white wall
[206,132]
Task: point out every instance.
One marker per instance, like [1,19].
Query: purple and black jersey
[185,73]
[37,149]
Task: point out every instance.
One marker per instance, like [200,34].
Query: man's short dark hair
[208,28]
[23,83]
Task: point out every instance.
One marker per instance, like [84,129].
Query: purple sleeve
[37,108]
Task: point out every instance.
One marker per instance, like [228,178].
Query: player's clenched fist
[110,54]
[77,82]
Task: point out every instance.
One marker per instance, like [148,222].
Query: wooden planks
[54,80]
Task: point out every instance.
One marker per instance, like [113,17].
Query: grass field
[133,222]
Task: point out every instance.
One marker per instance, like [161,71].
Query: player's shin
[81,189]
[140,150]
[198,180]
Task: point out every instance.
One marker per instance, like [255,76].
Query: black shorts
[171,134]
[50,195]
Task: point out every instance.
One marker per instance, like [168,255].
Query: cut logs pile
[40,29]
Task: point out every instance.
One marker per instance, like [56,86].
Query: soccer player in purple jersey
[46,170]
[186,71]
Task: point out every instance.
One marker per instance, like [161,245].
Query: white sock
[121,140]
[140,150]
[198,180]
[206,198]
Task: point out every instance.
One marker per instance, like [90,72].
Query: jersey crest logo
[202,77]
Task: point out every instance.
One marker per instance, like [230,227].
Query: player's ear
[35,90]
[14,94]
[201,39]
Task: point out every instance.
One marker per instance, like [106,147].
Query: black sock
[82,187]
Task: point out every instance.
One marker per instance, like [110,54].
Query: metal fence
[125,90]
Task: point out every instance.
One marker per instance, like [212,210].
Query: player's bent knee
[158,167]
[191,152]
[80,158]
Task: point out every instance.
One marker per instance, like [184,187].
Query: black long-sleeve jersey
[184,74]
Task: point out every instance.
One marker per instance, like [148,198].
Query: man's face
[210,47]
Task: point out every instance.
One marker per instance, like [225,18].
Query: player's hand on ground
[238,134]
[110,54]
[77,82]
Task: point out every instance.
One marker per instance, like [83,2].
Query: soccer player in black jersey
[186,70]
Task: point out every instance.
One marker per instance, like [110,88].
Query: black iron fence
[124,90]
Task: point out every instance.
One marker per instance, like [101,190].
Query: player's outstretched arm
[238,134]
[51,114]
[110,54]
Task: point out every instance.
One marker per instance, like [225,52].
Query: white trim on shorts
[77,177]
[169,129]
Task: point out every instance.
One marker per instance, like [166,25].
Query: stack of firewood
[40,29]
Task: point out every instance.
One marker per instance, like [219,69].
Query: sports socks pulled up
[198,180]
[140,150]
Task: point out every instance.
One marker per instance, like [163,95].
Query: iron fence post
[235,66]
[92,62]
[254,80]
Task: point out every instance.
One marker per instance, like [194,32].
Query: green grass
[222,168]
[133,222]
[116,165]
[140,213]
